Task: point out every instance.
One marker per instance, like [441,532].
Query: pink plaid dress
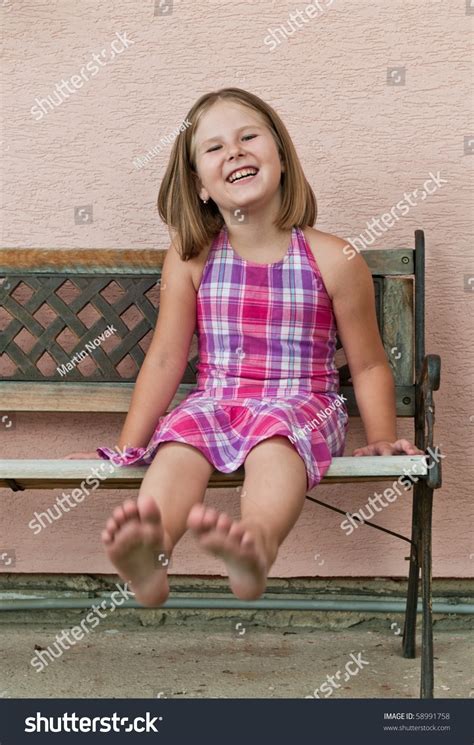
[266,345]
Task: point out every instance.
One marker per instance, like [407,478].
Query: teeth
[241,174]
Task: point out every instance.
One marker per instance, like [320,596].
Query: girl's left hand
[382,447]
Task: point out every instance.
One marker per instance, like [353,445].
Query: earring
[205,201]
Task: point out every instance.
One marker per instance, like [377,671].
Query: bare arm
[165,362]
[354,308]
[374,387]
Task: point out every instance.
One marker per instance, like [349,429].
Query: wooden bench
[58,301]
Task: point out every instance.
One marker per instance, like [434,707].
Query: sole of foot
[240,546]
[136,543]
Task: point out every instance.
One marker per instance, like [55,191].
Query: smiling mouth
[243,179]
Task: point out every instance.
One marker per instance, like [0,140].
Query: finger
[401,442]
[402,446]
[413,450]
[381,449]
[367,451]
[405,446]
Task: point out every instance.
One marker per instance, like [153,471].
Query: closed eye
[212,149]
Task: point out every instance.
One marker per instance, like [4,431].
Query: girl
[267,293]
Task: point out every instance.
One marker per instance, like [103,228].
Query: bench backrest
[99,307]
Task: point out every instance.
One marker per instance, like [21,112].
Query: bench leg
[409,632]
[427,673]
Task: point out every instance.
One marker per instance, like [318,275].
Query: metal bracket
[14,485]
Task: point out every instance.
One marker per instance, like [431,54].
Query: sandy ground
[244,662]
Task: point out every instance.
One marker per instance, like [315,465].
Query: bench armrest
[427,381]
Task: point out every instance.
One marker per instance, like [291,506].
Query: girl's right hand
[82,456]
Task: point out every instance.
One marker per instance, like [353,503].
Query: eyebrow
[218,137]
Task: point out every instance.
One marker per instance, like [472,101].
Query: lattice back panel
[48,321]
[93,327]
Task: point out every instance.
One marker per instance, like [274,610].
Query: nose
[235,151]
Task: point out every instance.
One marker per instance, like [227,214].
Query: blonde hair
[195,223]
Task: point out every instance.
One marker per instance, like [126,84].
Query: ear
[202,192]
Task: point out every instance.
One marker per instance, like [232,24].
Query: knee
[269,447]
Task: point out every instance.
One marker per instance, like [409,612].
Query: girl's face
[230,137]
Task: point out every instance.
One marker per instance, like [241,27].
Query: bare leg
[139,533]
[273,496]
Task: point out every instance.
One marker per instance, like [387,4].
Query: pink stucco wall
[363,143]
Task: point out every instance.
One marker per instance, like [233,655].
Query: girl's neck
[259,245]
[252,230]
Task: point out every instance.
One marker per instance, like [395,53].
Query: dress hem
[145,457]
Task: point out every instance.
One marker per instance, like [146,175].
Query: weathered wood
[390,261]
[141,261]
[87,397]
[115,397]
[48,474]
[80,260]
[404,400]
[397,328]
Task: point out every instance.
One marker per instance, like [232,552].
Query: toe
[130,535]
[236,531]
[130,508]
[119,515]
[195,516]
[106,536]
[247,539]
[149,511]
[201,518]
[224,522]
[111,525]
[209,519]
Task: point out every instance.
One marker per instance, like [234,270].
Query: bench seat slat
[42,474]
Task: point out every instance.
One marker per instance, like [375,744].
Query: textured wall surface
[365,134]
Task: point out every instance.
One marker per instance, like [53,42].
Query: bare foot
[135,540]
[242,547]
